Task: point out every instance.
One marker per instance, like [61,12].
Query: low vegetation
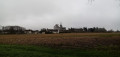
[38,51]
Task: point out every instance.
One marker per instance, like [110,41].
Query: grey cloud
[36,14]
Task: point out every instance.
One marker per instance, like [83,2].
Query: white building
[0,27]
[59,27]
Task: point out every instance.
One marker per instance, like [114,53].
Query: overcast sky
[37,14]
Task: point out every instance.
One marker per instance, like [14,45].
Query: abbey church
[59,27]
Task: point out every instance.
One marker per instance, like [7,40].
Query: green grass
[38,51]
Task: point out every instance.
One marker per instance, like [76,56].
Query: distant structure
[60,28]
[31,31]
[56,29]
[0,27]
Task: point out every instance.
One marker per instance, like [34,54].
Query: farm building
[49,31]
[31,32]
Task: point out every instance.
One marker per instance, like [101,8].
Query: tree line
[22,30]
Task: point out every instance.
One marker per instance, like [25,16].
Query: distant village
[57,28]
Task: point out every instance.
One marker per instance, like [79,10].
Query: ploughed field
[60,45]
[70,40]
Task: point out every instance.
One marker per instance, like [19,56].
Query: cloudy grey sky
[37,14]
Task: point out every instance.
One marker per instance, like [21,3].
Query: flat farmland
[60,45]
[68,40]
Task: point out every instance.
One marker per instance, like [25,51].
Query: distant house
[31,32]
[28,31]
[35,32]
[49,31]
[53,31]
